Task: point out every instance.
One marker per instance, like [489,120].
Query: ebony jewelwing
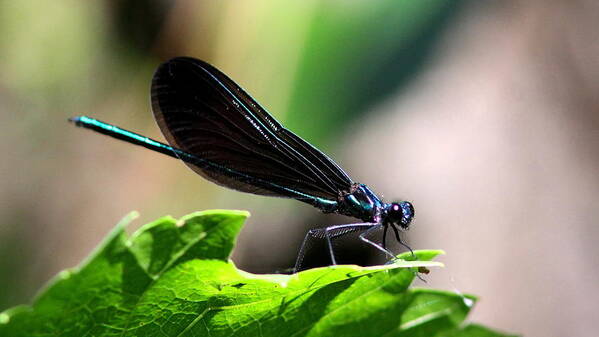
[224,135]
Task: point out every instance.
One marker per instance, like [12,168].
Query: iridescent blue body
[224,135]
[359,202]
[363,204]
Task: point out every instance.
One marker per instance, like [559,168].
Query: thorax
[361,203]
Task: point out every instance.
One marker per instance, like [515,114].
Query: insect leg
[374,244]
[313,233]
[401,242]
[328,234]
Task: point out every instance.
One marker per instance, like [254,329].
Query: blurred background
[484,114]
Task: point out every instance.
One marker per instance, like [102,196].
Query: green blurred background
[484,115]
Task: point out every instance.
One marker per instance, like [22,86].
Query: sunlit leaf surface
[173,278]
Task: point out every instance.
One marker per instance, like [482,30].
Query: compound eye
[407,211]
[394,213]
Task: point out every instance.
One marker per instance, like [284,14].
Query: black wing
[203,112]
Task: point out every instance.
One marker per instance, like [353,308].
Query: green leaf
[173,278]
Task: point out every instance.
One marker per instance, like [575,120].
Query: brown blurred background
[484,114]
